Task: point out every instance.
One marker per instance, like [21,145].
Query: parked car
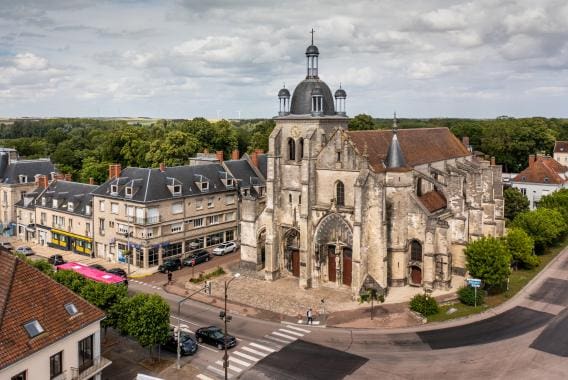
[223,248]
[56,260]
[170,265]
[188,345]
[7,245]
[99,267]
[197,257]
[25,250]
[214,336]
[117,271]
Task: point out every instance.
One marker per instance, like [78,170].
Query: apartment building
[46,330]
[163,212]
[17,177]
[58,214]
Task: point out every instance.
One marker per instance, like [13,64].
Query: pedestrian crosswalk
[146,284]
[245,357]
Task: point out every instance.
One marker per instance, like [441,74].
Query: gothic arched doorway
[261,249]
[416,275]
[292,251]
[334,239]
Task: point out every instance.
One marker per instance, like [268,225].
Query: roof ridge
[8,290]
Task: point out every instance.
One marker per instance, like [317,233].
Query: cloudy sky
[187,58]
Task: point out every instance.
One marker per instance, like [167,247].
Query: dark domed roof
[283,93]
[312,50]
[302,98]
[317,91]
[340,93]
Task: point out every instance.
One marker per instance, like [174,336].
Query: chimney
[68,177]
[114,171]
[219,155]
[465,141]
[492,160]
[42,181]
[254,159]
[532,159]
[91,181]
[162,167]
[235,154]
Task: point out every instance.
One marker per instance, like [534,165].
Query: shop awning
[65,233]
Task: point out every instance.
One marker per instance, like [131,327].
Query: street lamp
[226,318]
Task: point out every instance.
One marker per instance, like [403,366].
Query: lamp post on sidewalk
[207,289]
[227,319]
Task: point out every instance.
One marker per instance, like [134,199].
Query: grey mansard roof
[11,173]
[301,103]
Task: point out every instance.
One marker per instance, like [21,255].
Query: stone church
[364,209]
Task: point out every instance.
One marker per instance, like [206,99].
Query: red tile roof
[544,167]
[433,200]
[561,147]
[27,294]
[419,146]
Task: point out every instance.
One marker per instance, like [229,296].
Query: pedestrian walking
[169,277]
[310,318]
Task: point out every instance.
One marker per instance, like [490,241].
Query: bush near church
[467,296]
[424,304]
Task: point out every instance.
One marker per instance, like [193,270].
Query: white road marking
[203,377]
[238,361]
[184,320]
[290,332]
[216,370]
[246,356]
[272,344]
[276,339]
[297,329]
[255,352]
[231,367]
[284,335]
[260,346]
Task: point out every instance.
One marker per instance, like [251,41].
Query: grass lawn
[517,281]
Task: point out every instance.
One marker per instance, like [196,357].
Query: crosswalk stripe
[216,370]
[290,332]
[231,367]
[276,339]
[203,377]
[261,354]
[260,346]
[272,344]
[284,335]
[246,356]
[297,329]
[238,361]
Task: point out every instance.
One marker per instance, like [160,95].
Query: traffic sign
[474,282]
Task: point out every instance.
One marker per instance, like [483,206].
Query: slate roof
[151,185]
[65,192]
[561,147]
[244,172]
[29,168]
[27,294]
[419,146]
[433,201]
[262,160]
[301,103]
[544,169]
[395,157]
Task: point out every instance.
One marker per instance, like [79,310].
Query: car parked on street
[25,250]
[214,336]
[98,266]
[224,248]
[118,271]
[188,346]
[7,245]
[56,260]
[170,265]
[197,257]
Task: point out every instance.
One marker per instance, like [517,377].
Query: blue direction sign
[474,282]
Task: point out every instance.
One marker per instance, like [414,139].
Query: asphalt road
[525,339]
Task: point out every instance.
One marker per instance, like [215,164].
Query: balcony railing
[61,376]
[148,220]
[99,363]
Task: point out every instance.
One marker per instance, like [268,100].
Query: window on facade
[199,204]
[419,186]
[85,353]
[291,150]
[101,225]
[300,149]
[214,239]
[415,251]
[153,257]
[56,365]
[230,216]
[213,219]
[229,235]
[178,227]
[177,208]
[114,208]
[123,229]
[300,199]
[229,199]
[111,224]
[140,257]
[43,218]
[102,206]
[197,222]
[523,191]
[338,156]
[70,223]
[210,202]
[290,198]
[20,376]
[88,229]
[340,194]
[173,249]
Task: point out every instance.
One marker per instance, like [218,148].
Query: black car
[56,260]
[214,336]
[117,271]
[170,265]
[188,346]
[197,257]
[98,266]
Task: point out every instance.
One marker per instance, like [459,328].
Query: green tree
[175,149]
[515,203]
[424,304]
[103,296]
[469,296]
[92,168]
[371,296]
[557,201]
[260,134]
[42,265]
[489,260]
[70,279]
[521,248]
[362,122]
[545,226]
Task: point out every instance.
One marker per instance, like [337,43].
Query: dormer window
[204,186]
[230,182]
[55,203]
[71,309]
[523,178]
[69,206]
[177,189]
[113,189]
[128,191]
[545,179]
[43,201]
[88,209]
[33,328]
[23,178]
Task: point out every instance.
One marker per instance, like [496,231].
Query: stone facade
[337,215]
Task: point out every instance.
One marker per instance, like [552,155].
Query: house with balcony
[46,330]
[62,215]
[147,215]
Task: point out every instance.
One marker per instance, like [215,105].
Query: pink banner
[91,273]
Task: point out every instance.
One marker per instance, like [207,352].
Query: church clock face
[332,229]
[295,132]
